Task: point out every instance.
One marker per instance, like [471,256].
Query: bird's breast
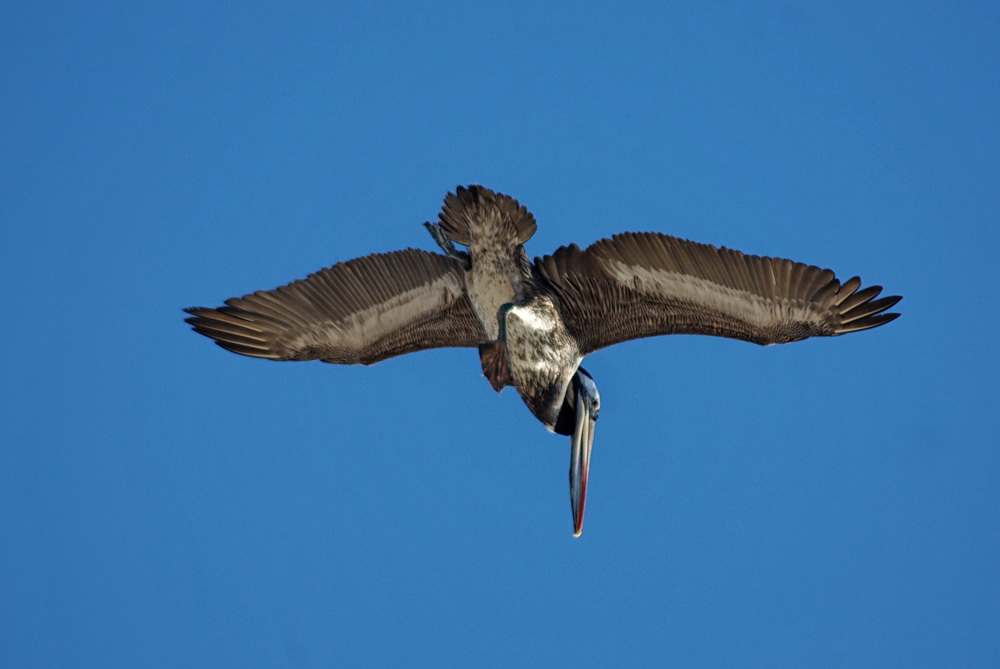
[542,356]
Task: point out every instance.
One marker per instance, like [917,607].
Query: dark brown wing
[361,311]
[644,284]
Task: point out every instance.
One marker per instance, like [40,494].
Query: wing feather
[860,297]
[360,311]
[644,284]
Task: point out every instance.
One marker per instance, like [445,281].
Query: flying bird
[534,322]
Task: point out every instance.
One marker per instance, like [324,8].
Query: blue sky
[164,503]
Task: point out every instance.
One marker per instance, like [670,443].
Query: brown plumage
[645,284]
[467,212]
[534,323]
[360,311]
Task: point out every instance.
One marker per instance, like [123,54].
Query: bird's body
[493,227]
[533,323]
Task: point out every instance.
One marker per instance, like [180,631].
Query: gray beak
[581,441]
[579,465]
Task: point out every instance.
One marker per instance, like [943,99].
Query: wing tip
[248,351]
[869,314]
[229,332]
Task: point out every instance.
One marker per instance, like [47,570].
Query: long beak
[579,461]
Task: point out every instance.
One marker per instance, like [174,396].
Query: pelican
[533,323]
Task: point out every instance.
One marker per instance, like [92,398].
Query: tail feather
[468,208]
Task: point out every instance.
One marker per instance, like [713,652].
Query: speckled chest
[542,355]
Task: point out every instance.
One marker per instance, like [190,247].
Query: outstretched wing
[361,311]
[644,284]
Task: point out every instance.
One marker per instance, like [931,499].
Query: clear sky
[164,503]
